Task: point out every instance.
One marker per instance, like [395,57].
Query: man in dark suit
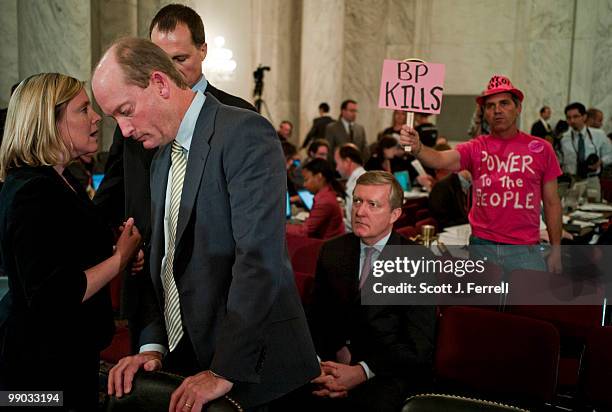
[449,199]
[373,356]
[317,131]
[541,128]
[179,31]
[345,130]
[232,320]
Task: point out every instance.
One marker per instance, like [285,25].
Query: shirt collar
[201,85]
[187,127]
[583,131]
[356,173]
[346,124]
[379,246]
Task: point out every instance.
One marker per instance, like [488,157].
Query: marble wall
[322,57]
[9,56]
[45,46]
[591,81]
[277,43]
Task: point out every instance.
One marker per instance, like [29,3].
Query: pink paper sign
[411,86]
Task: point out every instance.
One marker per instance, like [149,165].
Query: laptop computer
[307,198]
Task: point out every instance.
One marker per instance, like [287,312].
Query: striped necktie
[172,309]
[367,265]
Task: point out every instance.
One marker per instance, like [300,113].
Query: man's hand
[327,386]
[554,259]
[122,374]
[337,379]
[410,137]
[197,390]
[595,166]
[346,376]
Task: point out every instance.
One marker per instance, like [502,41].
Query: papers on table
[415,195]
[456,235]
[596,207]
[580,215]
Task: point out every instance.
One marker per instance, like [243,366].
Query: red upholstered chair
[606,189]
[408,217]
[419,202]
[497,356]
[597,373]
[427,221]
[304,283]
[574,321]
[407,231]
[303,252]
[422,214]
[115,292]
[119,347]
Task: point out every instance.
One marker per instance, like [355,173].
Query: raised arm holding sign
[412,86]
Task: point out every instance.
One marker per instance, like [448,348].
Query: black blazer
[48,236]
[447,202]
[394,341]
[239,303]
[317,131]
[539,130]
[125,192]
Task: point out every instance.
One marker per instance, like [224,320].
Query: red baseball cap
[499,84]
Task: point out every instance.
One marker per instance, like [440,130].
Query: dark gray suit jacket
[336,134]
[239,302]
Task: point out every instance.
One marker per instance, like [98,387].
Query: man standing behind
[179,31]
[345,130]
[585,150]
[350,166]
[541,128]
[317,131]
[595,118]
[219,267]
[511,173]
[372,355]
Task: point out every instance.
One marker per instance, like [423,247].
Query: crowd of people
[192,210]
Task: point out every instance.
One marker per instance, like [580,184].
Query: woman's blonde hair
[31,136]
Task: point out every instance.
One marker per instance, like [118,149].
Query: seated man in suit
[373,356]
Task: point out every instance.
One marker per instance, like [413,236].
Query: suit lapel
[198,154]
[159,183]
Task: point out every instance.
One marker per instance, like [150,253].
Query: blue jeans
[509,257]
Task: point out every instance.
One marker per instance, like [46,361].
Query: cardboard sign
[411,86]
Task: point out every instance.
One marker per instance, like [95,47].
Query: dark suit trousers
[182,361]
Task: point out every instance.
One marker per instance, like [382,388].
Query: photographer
[585,151]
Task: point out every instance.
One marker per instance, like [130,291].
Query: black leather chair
[451,403]
[151,392]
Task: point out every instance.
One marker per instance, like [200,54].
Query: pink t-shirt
[507,177]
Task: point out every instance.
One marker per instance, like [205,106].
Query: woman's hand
[128,243]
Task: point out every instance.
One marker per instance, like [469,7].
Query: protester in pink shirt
[512,172]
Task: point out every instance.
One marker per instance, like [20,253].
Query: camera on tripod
[258,75]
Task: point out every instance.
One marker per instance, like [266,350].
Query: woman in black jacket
[55,249]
